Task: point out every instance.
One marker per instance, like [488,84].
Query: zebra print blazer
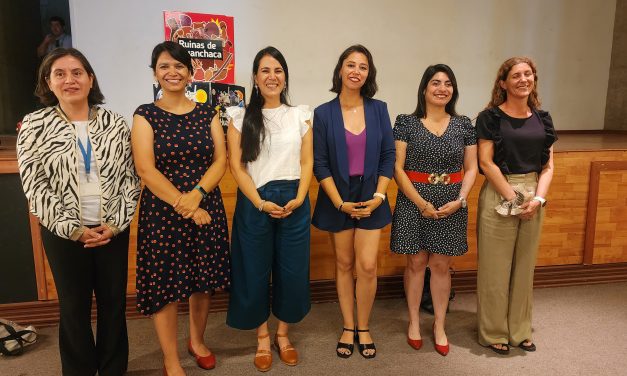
[47,158]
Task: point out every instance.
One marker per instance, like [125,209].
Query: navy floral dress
[175,257]
[426,152]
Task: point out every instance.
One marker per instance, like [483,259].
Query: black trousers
[78,274]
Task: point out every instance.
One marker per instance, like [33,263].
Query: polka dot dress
[426,152]
[175,257]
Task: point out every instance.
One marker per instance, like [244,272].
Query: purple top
[356,150]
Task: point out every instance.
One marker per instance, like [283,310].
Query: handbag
[14,337]
[510,208]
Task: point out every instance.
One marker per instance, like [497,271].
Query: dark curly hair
[499,95]
[43,92]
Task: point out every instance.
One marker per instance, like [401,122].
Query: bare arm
[242,178]
[470,174]
[216,171]
[470,170]
[546,176]
[190,201]
[306,171]
[492,171]
[530,208]
[405,185]
[142,142]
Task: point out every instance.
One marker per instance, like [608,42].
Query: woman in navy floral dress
[182,240]
[436,166]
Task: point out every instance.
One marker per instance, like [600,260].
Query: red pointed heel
[204,362]
[416,344]
[441,349]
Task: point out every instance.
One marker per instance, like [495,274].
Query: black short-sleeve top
[521,145]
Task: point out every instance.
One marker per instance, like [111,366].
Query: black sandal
[503,351]
[530,348]
[346,346]
[365,346]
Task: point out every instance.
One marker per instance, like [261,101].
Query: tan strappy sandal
[263,358]
[287,354]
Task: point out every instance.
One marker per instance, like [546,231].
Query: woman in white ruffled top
[271,158]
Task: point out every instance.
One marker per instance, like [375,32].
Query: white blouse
[279,158]
[89,185]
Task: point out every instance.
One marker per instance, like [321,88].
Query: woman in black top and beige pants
[516,157]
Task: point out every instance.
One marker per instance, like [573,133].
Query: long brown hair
[499,95]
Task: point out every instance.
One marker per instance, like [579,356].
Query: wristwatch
[379,195]
[541,200]
[463,201]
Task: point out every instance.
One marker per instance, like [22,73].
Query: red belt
[434,178]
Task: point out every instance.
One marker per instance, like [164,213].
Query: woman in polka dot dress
[429,224]
[182,240]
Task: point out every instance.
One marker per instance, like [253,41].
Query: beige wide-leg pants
[507,250]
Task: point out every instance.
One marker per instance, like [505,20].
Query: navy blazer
[330,159]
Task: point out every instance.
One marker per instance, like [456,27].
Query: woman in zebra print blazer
[78,176]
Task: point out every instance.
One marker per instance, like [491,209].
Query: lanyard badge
[86,156]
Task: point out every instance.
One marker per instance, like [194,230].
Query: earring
[257,88]
[285,87]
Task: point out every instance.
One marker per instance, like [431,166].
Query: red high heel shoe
[204,362]
[441,349]
[416,344]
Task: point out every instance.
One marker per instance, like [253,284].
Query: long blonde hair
[499,95]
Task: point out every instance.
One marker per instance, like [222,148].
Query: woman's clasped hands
[279,212]
[446,210]
[187,205]
[359,210]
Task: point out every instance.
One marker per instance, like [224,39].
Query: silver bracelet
[260,207]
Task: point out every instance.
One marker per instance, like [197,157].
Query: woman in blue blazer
[354,162]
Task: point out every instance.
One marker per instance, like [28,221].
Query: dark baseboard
[46,313]
[591,131]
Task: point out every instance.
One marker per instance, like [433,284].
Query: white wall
[570,40]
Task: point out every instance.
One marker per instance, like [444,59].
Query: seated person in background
[57,37]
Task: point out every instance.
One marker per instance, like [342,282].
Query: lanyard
[86,156]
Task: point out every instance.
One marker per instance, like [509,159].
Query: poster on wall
[209,39]
[223,96]
[195,91]
[217,95]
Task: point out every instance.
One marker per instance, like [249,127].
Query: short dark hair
[178,52]
[370,86]
[43,92]
[57,19]
[421,107]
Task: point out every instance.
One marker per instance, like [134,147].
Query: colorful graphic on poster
[223,96]
[209,38]
[217,95]
[195,91]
